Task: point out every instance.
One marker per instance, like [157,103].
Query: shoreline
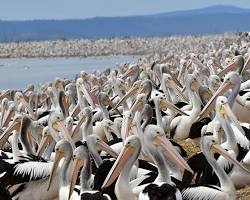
[72,57]
[105,47]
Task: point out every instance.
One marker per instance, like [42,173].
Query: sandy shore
[102,47]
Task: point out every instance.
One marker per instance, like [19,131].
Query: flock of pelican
[116,134]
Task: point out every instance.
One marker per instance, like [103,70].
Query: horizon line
[121,16]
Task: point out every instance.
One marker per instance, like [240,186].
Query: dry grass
[191,146]
[243,194]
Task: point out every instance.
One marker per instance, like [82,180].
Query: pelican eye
[213,141]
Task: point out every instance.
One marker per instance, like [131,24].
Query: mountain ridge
[208,20]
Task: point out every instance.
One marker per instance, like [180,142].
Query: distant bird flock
[118,46]
[124,133]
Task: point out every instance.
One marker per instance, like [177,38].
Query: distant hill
[210,20]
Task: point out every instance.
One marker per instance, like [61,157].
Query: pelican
[123,165]
[231,81]
[180,126]
[40,126]
[81,159]
[63,149]
[226,189]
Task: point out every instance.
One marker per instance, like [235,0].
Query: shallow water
[17,73]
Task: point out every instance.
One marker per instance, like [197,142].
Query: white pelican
[226,189]
[81,159]
[180,126]
[123,165]
[63,149]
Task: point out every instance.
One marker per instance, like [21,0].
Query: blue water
[17,73]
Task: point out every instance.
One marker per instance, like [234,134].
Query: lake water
[17,73]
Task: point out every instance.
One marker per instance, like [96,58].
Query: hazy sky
[68,9]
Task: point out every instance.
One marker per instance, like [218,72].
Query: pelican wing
[33,170]
[134,183]
[28,169]
[240,137]
[201,193]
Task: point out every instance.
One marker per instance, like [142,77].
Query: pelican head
[131,71]
[62,149]
[205,94]
[50,92]
[59,84]
[56,122]
[231,80]
[79,82]
[30,87]
[169,82]
[104,99]
[84,75]
[146,86]
[96,142]
[122,85]
[126,159]
[5,93]
[19,98]
[4,104]
[81,158]
[192,83]
[223,110]
[14,125]
[164,104]
[4,107]
[110,126]
[96,90]
[69,122]
[46,139]
[127,123]
[237,63]
[139,102]
[155,138]
[139,88]
[215,82]
[209,144]
[87,114]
